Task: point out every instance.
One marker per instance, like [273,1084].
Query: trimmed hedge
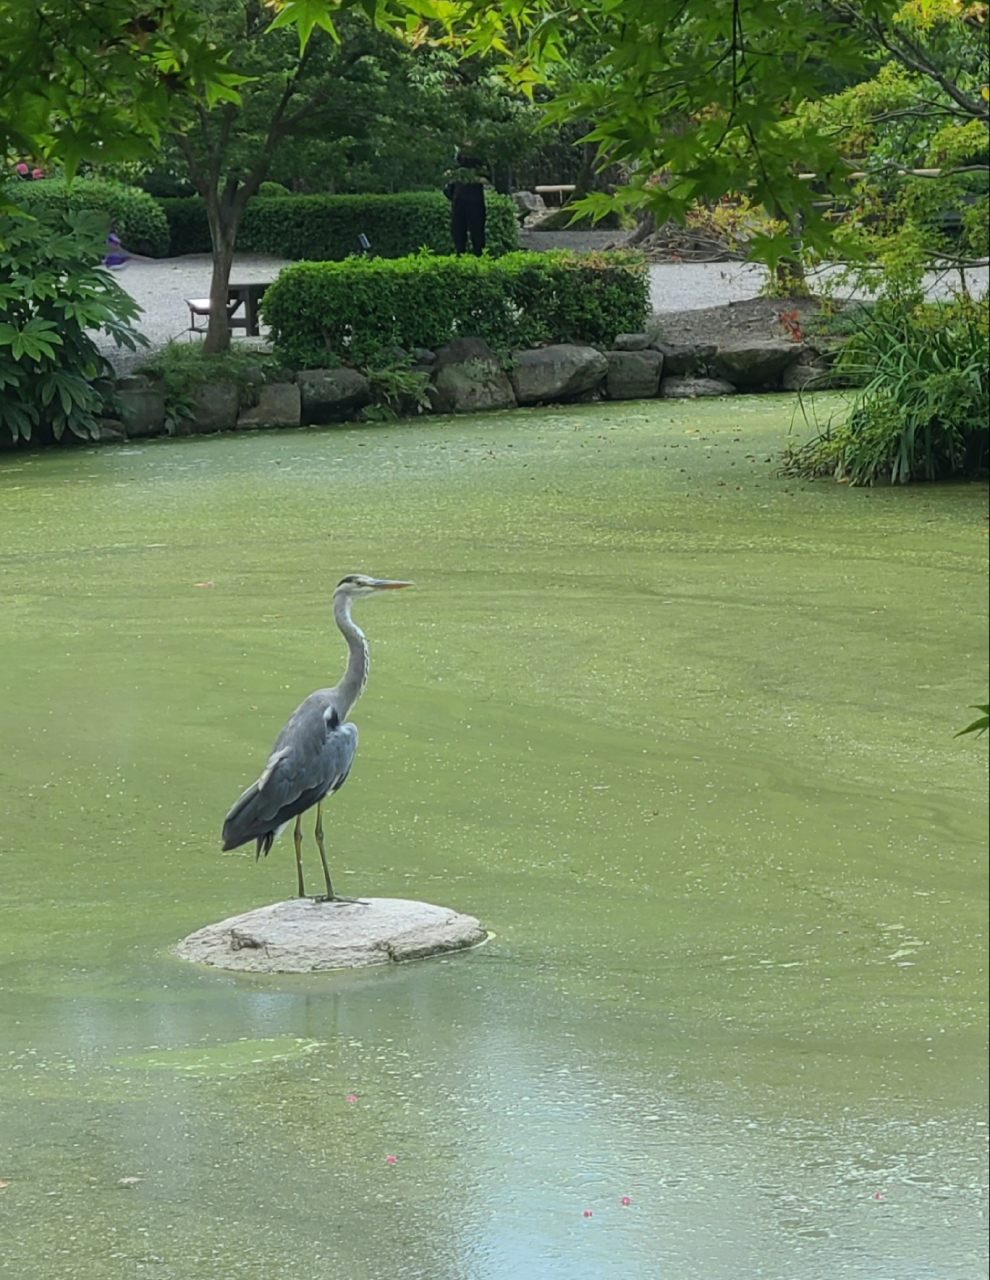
[326,228]
[356,309]
[188,228]
[137,217]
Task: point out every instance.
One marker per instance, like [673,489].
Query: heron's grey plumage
[310,760]
[313,754]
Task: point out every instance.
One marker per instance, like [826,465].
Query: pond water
[679,732]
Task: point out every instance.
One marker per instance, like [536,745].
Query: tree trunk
[217,338]
[224,214]
[646,224]
[788,275]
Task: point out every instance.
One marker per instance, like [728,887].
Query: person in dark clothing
[467,202]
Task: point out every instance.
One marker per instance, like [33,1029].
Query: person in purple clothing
[117,256]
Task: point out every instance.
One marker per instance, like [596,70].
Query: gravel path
[162,287]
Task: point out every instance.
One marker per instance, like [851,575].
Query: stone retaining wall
[466,376]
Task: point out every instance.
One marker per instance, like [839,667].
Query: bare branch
[910,56]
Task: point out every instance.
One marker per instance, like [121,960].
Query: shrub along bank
[137,217]
[923,410]
[326,228]
[354,310]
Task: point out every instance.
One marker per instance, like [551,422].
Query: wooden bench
[559,190]
[246,295]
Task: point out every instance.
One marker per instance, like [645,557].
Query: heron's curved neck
[352,683]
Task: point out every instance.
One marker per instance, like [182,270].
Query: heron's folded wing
[310,760]
[340,746]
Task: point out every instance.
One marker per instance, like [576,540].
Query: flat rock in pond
[303,935]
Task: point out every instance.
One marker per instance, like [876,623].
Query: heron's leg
[323,853]
[297,837]
[330,895]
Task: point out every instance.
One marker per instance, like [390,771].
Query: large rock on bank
[304,936]
[332,395]
[686,359]
[141,406]
[563,371]
[212,407]
[633,375]
[468,378]
[754,364]
[279,405]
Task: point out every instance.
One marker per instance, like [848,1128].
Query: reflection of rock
[633,375]
[561,372]
[754,364]
[467,378]
[302,935]
[694,388]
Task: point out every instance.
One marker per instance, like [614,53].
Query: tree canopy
[699,101]
[99,81]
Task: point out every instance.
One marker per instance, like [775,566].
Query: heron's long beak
[384,584]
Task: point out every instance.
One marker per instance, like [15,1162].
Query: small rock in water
[305,936]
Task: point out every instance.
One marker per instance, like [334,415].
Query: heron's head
[357,586]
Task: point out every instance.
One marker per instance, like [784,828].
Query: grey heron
[312,756]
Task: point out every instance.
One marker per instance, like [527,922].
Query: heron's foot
[352,902]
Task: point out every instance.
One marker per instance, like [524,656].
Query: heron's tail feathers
[241,824]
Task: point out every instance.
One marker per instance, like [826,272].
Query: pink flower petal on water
[626,1200]
[878,1195]
[352,1097]
[390,1159]
[588,1213]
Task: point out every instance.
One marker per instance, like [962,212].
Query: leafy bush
[180,367]
[273,190]
[356,309]
[52,291]
[397,389]
[326,228]
[136,216]
[923,411]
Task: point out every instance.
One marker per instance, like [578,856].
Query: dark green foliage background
[354,310]
[325,228]
[137,217]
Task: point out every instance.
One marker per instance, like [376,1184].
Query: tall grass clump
[921,411]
